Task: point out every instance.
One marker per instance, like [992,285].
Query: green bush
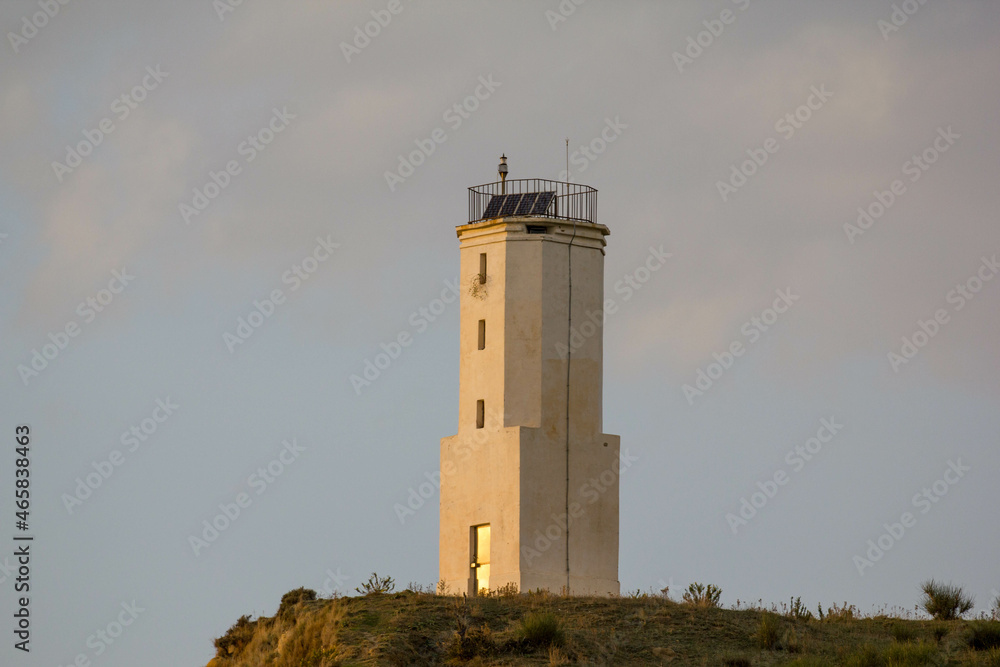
[984,635]
[508,590]
[768,631]
[798,610]
[292,598]
[945,602]
[903,632]
[912,654]
[471,642]
[844,613]
[377,585]
[866,656]
[540,630]
[703,596]
[236,638]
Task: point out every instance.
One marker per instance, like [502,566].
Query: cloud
[109,211]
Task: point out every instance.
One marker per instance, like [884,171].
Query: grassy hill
[418,628]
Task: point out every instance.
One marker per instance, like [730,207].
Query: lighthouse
[529,484]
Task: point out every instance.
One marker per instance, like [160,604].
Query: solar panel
[509,205]
[541,204]
[493,208]
[527,202]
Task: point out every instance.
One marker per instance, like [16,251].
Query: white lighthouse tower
[529,484]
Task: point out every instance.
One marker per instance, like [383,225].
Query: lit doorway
[480,558]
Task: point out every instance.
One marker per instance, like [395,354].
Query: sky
[212,215]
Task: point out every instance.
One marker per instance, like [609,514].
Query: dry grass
[411,628]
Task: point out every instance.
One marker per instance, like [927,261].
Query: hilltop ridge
[421,628]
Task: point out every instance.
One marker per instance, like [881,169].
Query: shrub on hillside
[903,632]
[292,598]
[703,596]
[768,631]
[414,587]
[476,641]
[912,654]
[377,585]
[470,640]
[945,602]
[541,629]
[236,638]
[798,610]
[984,635]
[311,642]
[843,613]
[508,590]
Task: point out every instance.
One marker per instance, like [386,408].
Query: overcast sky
[120,121]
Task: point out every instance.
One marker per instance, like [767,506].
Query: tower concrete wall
[512,472]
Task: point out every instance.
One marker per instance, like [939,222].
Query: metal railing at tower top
[538,197]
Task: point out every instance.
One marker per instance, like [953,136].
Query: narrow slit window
[482,334]
[482,268]
[480,413]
